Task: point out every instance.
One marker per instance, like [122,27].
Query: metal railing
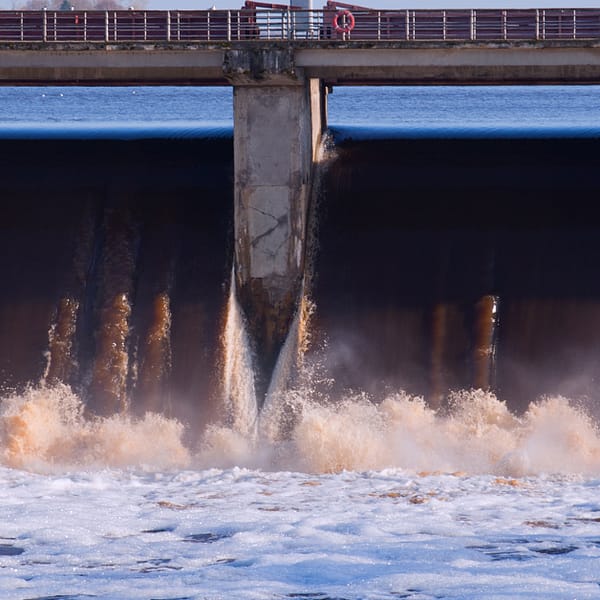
[278,25]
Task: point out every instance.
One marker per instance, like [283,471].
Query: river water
[126,476]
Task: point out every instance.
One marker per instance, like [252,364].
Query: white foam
[478,434]
[45,429]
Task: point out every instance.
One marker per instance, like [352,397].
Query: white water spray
[239,393]
[45,429]
[281,408]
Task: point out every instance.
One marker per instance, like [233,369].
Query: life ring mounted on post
[344,21]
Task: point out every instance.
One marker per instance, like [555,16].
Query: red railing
[251,23]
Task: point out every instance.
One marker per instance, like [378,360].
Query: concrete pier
[278,119]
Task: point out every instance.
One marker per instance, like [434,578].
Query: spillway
[439,262]
[115,254]
[436,250]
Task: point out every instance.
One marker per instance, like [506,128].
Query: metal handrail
[246,24]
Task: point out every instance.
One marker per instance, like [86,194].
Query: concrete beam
[452,64]
[255,62]
[107,65]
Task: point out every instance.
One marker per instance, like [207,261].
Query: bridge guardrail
[461,25]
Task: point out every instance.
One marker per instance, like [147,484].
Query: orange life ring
[348,20]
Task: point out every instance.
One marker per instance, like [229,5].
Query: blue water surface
[151,105]
[378,112]
[469,107]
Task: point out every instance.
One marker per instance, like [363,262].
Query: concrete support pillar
[277,128]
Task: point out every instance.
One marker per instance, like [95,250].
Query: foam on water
[46,429]
[477,435]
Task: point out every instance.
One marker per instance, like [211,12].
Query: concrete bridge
[280,64]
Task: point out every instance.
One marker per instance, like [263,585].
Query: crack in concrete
[263,212]
[279,222]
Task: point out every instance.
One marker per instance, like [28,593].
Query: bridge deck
[388,47]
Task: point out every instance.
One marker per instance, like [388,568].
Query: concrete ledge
[463,64]
[104,66]
[352,63]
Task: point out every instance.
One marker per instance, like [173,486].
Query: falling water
[61,338]
[155,357]
[240,406]
[108,390]
[281,409]
[485,334]
[239,394]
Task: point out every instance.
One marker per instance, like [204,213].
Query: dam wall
[117,282]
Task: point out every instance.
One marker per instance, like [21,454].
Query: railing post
[378,25]
[473,25]
[544,24]
[22,28]
[269,25]
[106,32]
[537,23]
[407,25]
[574,23]
[44,25]
[444,25]
[168,26]
[145,26]
[116,22]
[85,36]
[504,26]
[208,25]
[228,25]
[54,23]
